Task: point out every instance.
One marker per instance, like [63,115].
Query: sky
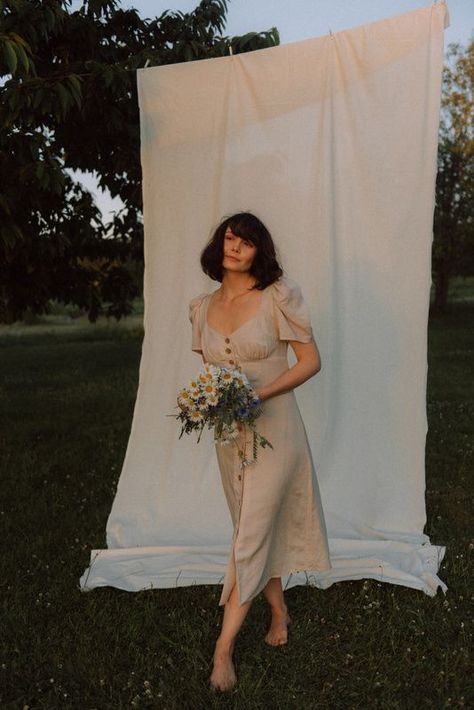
[295,21]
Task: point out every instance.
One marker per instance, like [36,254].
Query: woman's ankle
[224,644]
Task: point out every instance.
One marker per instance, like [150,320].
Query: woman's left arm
[309,363]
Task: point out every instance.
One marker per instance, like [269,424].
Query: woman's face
[241,249]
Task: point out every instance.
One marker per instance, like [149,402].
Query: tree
[69,103]
[453,242]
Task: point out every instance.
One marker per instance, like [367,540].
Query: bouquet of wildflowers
[222,398]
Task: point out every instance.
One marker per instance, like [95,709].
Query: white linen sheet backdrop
[332,141]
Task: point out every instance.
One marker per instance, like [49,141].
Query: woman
[275,505]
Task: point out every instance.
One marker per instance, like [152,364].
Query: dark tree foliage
[453,243]
[69,102]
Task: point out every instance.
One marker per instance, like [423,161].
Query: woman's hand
[260,391]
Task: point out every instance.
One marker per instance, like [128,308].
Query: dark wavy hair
[246,225]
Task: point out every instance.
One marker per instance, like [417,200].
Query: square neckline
[249,320]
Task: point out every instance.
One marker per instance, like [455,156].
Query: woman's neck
[236,284]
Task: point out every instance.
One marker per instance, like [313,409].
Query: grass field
[68,393]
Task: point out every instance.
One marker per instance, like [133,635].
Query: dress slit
[231,577]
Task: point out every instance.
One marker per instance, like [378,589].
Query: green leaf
[76,88]
[64,97]
[10,56]
[20,40]
[77,81]
[24,59]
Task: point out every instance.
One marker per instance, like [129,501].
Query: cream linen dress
[275,503]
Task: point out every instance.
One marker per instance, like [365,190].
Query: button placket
[241,478]
[231,361]
[228,351]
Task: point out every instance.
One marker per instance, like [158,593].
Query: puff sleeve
[291,311]
[195,316]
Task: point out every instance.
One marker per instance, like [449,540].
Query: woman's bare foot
[278,633]
[223,674]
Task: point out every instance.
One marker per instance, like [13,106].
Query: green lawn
[68,398]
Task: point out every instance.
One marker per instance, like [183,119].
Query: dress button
[228,350]
[227,340]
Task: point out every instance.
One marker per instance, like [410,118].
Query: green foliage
[453,242]
[69,102]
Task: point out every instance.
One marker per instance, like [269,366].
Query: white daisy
[184,403]
[203,405]
[209,390]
